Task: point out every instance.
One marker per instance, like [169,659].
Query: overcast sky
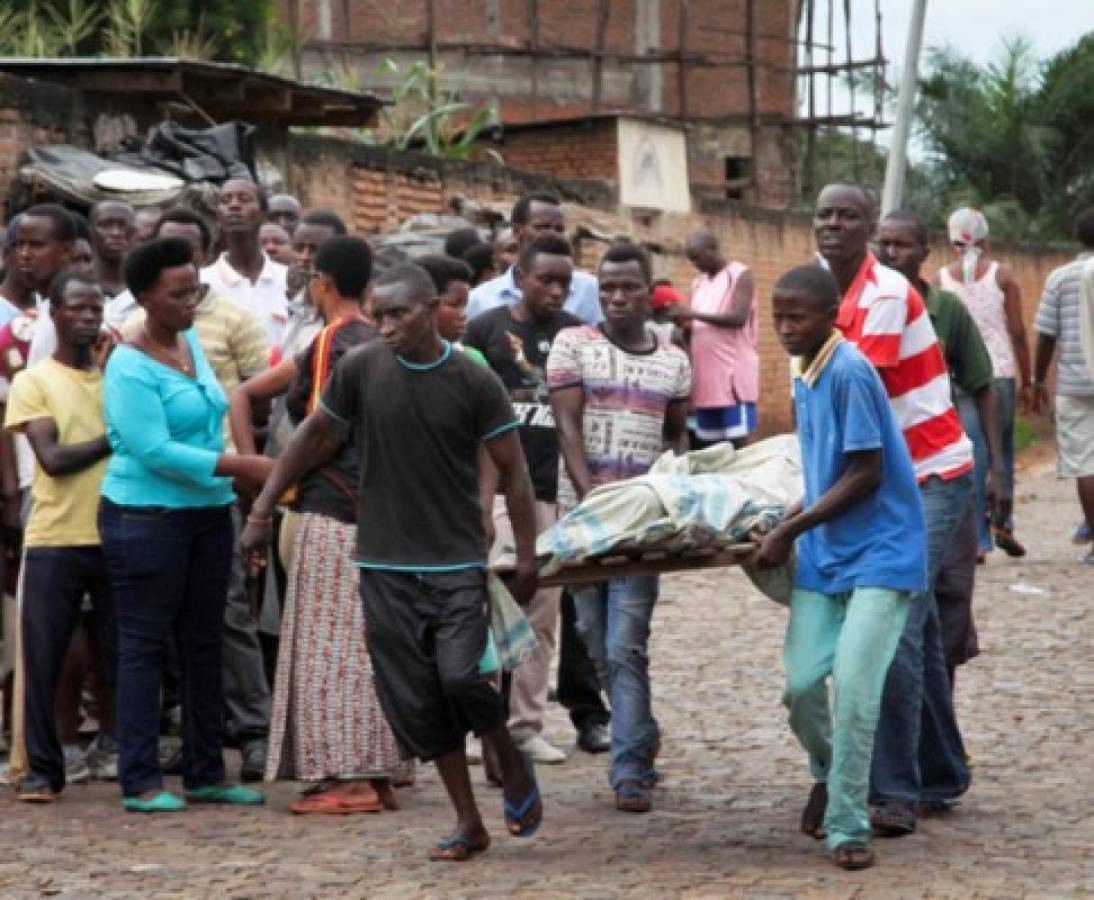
[974,27]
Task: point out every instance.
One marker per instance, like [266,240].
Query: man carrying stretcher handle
[860,537]
[619,393]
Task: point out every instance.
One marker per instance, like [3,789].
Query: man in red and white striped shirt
[918,753]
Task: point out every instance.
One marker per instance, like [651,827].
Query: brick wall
[377,190]
[35,113]
[587,149]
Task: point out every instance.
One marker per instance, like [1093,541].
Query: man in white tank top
[994,299]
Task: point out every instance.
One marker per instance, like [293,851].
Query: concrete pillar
[648,80]
[325,25]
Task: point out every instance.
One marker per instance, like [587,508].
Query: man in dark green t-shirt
[903,239]
[419,413]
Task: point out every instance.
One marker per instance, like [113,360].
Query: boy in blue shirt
[861,542]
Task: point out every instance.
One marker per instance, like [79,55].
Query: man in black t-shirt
[419,413]
[515,341]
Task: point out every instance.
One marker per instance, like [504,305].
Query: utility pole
[893,192]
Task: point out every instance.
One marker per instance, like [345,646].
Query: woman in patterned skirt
[327,727]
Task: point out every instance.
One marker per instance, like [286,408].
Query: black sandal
[853,855]
[812,821]
[893,818]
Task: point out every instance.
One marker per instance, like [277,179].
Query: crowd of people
[252,487]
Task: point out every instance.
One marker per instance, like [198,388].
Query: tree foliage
[224,30]
[1012,137]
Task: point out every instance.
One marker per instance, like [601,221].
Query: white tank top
[986,304]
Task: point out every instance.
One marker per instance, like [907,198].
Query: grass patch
[1028,432]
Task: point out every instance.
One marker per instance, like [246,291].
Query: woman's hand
[255,539]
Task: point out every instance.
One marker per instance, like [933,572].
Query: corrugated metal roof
[223,91]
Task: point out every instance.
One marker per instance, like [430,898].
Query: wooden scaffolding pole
[532,10]
[681,65]
[753,96]
[603,10]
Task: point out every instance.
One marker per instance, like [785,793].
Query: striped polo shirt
[884,316]
[1058,317]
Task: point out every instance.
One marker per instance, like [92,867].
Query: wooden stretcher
[648,562]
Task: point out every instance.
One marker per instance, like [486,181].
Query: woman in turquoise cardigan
[167,533]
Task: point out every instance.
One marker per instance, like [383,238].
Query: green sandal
[161,803]
[234,794]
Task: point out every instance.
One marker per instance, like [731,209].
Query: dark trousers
[953,591]
[246,690]
[169,569]
[55,580]
[426,636]
[578,685]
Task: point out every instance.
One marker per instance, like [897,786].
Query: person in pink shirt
[724,358]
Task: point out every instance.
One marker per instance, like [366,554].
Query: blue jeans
[169,569]
[851,637]
[970,419]
[918,753]
[613,618]
[1005,395]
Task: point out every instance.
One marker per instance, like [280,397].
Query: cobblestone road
[725,820]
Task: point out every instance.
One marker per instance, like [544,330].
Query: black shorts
[426,635]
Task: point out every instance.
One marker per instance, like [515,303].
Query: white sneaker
[76,769]
[474,751]
[102,758]
[541,750]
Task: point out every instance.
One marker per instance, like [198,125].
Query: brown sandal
[853,855]
[812,821]
[336,803]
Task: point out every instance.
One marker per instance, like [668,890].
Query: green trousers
[852,638]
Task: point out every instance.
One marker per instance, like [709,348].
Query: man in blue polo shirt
[533,215]
[861,542]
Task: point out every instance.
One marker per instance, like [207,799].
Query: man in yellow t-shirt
[57,403]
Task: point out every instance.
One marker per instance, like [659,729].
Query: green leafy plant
[74,24]
[192,43]
[423,114]
[128,21]
[276,49]
[195,29]
[28,32]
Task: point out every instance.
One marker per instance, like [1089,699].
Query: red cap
[665,295]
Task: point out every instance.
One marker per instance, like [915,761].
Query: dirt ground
[725,820]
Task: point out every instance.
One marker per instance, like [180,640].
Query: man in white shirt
[533,215]
[244,273]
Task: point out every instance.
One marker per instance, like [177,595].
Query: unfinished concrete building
[719,73]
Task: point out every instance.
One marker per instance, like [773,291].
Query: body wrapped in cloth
[709,499]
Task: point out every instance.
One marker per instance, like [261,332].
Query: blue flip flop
[514,815]
[459,849]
